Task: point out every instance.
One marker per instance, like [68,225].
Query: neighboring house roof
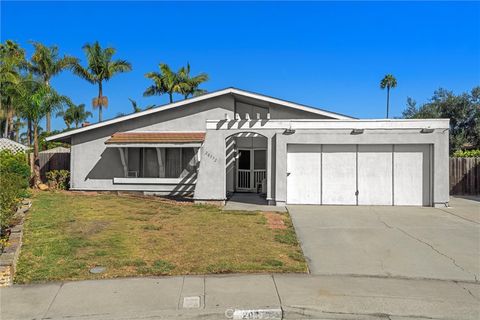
[156,137]
[56,150]
[7,144]
[238,92]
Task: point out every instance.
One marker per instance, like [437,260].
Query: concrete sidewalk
[297,296]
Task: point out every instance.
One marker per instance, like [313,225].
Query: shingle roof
[156,137]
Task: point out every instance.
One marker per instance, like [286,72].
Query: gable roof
[235,91]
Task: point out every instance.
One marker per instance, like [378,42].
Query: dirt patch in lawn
[275,220]
[66,234]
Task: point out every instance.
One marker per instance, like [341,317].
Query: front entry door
[251,169]
[244,168]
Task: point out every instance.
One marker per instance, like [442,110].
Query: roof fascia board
[328,124]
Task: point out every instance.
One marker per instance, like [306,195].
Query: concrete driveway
[409,242]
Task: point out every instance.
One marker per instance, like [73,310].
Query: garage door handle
[288,173]
[356,193]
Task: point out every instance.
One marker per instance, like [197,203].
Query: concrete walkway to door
[404,242]
[249,201]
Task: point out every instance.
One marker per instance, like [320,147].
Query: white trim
[371,124]
[197,99]
[154,145]
[151,181]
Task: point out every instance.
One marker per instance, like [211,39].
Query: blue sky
[327,55]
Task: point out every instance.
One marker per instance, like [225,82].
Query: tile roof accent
[156,137]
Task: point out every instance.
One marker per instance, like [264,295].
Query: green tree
[189,85]
[12,61]
[169,82]
[463,111]
[100,67]
[388,82]
[46,63]
[136,108]
[74,114]
[164,82]
[36,100]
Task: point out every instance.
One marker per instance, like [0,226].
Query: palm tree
[189,86]
[17,125]
[36,100]
[135,106]
[12,61]
[67,116]
[388,82]
[74,114]
[79,114]
[165,81]
[100,67]
[47,63]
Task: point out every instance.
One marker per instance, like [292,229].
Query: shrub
[14,180]
[10,194]
[467,153]
[15,163]
[58,179]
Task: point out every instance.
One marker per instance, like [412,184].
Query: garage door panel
[375,174]
[303,180]
[411,179]
[339,174]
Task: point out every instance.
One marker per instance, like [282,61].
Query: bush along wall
[14,182]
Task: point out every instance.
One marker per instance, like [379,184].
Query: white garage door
[375,174]
[411,180]
[358,174]
[339,174]
[303,164]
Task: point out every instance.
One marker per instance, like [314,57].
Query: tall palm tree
[189,85]
[100,67]
[17,125]
[12,61]
[388,82]
[164,82]
[79,114]
[46,63]
[36,100]
[67,116]
[74,114]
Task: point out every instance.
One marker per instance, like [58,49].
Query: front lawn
[66,234]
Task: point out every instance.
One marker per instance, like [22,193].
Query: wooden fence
[51,161]
[464,176]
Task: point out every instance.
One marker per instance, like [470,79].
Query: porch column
[161,162]
[124,160]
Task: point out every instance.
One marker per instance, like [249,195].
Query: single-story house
[233,140]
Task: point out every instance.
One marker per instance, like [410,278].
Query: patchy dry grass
[66,234]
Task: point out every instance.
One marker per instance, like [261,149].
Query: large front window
[161,162]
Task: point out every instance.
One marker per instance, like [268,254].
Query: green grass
[66,234]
